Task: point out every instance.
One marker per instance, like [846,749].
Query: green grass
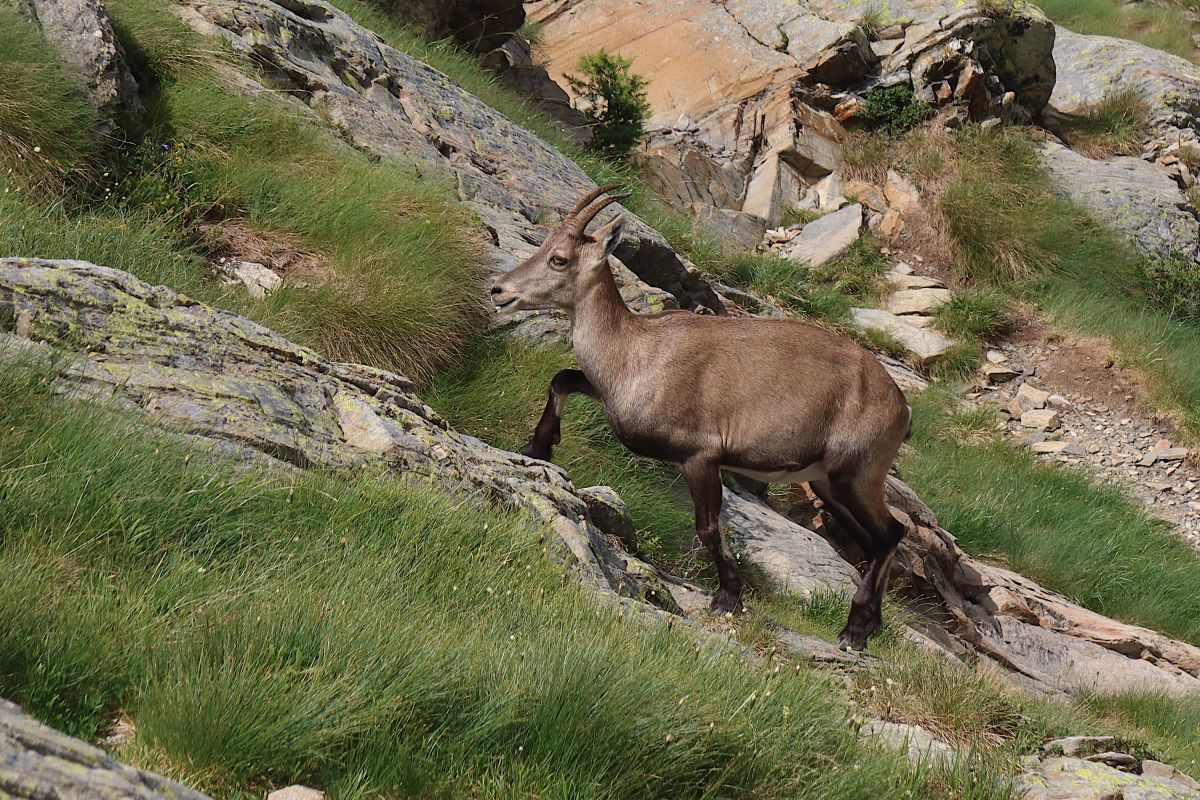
[1162,26]
[368,638]
[799,216]
[976,315]
[46,125]
[404,282]
[1014,234]
[1116,126]
[1087,541]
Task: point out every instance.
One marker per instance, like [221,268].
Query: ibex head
[567,263]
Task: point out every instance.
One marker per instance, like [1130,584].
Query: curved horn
[579,224]
[588,198]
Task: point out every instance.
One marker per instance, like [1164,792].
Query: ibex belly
[813,472]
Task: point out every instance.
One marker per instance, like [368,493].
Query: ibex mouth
[506,305]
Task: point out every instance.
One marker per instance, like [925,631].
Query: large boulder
[1138,199]
[81,34]
[390,104]
[742,92]
[37,762]
[1091,68]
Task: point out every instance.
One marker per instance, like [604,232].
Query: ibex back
[778,400]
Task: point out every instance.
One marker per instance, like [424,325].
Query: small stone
[997,356]
[900,192]
[1033,438]
[1027,398]
[1042,419]
[1078,746]
[917,301]
[1058,401]
[1157,769]
[1121,761]
[997,373]
[914,282]
[1049,448]
[296,792]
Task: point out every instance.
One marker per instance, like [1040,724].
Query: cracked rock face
[394,106]
[742,90]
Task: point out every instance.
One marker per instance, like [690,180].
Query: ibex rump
[778,400]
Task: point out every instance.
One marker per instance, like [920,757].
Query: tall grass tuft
[46,126]
[1115,126]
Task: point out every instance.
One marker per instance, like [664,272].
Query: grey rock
[827,237]
[998,373]
[740,230]
[1091,68]
[1139,200]
[923,343]
[221,378]
[1121,761]
[37,762]
[82,35]
[1075,779]
[918,744]
[610,514]
[793,557]
[258,279]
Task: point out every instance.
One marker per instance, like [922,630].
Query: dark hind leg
[548,431]
[860,536]
[862,496]
[703,476]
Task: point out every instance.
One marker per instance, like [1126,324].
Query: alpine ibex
[778,400]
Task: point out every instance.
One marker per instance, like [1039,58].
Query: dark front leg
[703,476]
[548,431]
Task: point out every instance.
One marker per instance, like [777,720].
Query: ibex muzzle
[779,400]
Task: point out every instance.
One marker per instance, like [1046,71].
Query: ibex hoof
[852,642]
[533,451]
[724,602]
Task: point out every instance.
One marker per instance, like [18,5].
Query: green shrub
[978,315]
[615,99]
[895,109]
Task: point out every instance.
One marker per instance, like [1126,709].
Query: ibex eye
[558,261]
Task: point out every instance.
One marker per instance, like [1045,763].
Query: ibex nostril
[496,290]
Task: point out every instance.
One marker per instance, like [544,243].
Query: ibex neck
[600,325]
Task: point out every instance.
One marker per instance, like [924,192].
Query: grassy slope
[366,637]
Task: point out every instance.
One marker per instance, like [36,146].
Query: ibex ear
[609,236]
